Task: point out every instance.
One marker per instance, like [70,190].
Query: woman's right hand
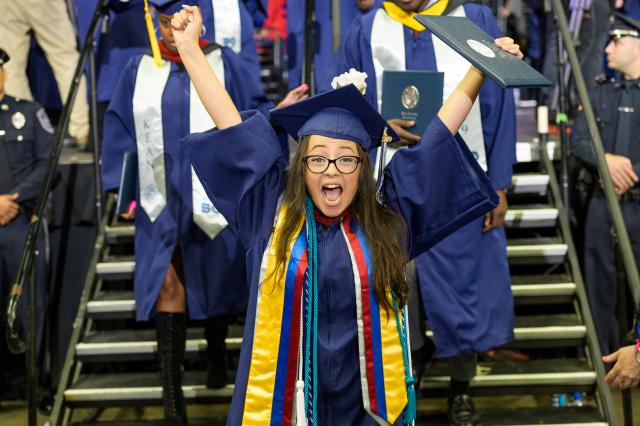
[187,27]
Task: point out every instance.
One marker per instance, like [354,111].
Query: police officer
[616,104]
[25,142]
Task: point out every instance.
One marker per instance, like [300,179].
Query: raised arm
[187,27]
[456,108]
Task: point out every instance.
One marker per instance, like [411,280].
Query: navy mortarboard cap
[4,57]
[169,7]
[342,113]
[623,26]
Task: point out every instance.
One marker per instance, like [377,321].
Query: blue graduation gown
[324,60]
[243,172]
[248,51]
[210,266]
[125,38]
[464,280]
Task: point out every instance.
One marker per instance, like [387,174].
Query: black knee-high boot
[216,332]
[171,332]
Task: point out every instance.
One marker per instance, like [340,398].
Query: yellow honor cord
[153,40]
[406,18]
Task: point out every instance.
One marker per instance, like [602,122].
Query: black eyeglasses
[318,164]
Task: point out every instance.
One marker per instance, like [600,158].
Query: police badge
[18,120]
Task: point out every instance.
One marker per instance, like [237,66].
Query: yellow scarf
[406,18]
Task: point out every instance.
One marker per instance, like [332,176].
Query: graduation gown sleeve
[242,170]
[119,132]
[437,186]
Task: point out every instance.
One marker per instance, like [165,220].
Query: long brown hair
[384,230]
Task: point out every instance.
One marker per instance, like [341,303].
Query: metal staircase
[111,359]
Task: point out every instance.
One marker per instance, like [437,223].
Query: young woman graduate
[326,339]
[186,258]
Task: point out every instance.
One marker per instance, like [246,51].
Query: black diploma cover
[412,95]
[478,47]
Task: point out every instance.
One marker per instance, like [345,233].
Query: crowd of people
[334,266]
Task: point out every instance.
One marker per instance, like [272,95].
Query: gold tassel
[153,40]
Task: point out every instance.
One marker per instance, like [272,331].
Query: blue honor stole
[276,358]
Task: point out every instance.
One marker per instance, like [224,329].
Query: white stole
[388,53]
[147,112]
[147,117]
[226,24]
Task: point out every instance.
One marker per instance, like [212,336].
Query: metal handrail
[15,342]
[27,258]
[581,293]
[631,269]
[80,325]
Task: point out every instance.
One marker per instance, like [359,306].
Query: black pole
[561,119]
[308,74]
[32,344]
[94,131]
[14,343]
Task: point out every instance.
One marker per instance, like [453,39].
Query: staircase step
[117,233]
[543,293]
[526,251]
[116,269]
[519,377]
[536,216]
[540,250]
[542,289]
[125,389]
[529,183]
[527,152]
[548,416]
[533,376]
[124,345]
[546,330]
[112,304]
[527,289]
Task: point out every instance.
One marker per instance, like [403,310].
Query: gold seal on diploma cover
[410,97]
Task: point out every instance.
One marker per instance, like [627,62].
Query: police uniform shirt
[25,135]
[615,102]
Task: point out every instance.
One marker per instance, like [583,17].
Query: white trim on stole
[227,24]
[388,53]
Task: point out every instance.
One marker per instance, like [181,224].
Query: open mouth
[332,193]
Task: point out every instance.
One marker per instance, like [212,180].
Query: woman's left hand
[298,94]
[507,44]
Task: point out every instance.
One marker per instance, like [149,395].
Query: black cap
[623,26]
[4,57]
